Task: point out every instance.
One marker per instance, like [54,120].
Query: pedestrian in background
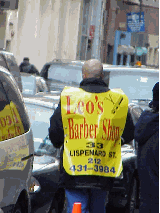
[88,123]
[147,136]
[26,67]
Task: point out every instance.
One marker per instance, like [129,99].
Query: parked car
[16,147]
[45,173]
[137,83]
[8,61]
[61,73]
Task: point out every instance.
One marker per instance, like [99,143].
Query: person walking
[147,136]
[26,67]
[88,123]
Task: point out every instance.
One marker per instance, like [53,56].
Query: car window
[16,103]
[135,86]
[65,73]
[7,126]
[40,119]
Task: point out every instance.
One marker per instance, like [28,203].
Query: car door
[16,142]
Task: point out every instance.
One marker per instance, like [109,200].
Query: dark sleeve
[128,133]
[56,133]
[20,68]
[34,70]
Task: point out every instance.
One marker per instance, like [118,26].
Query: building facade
[44,30]
[148,40]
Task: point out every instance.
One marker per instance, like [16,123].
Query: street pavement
[118,210]
[45,209]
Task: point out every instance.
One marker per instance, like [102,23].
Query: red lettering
[68,104]
[18,130]
[85,131]
[76,132]
[92,107]
[117,133]
[109,130]
[2,122]
[9,120]
[100,104]
[104,128]
[15,116]
[82,130]
[80,103]
[81,126]
[113,133]
[96,97]
[9,135]
[91,129]
[71,130]
[95,126]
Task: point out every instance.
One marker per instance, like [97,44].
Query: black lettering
[97,153]
[81,152]
[77,152]
[92,152]
[110,154]
[104,154]
[70,153]
[87,153]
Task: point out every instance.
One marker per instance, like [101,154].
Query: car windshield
[136,86]
[67,73]
[40,120]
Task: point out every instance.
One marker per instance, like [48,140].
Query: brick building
[116,20]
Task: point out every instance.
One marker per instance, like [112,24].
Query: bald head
[92,68]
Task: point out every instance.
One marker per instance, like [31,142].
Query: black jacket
[56,135]
[147,136]
[28,68]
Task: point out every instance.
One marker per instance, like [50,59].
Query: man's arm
[56,133]
[20,67]
[128,133]
[34,70]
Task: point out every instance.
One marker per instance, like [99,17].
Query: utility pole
[97,7]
